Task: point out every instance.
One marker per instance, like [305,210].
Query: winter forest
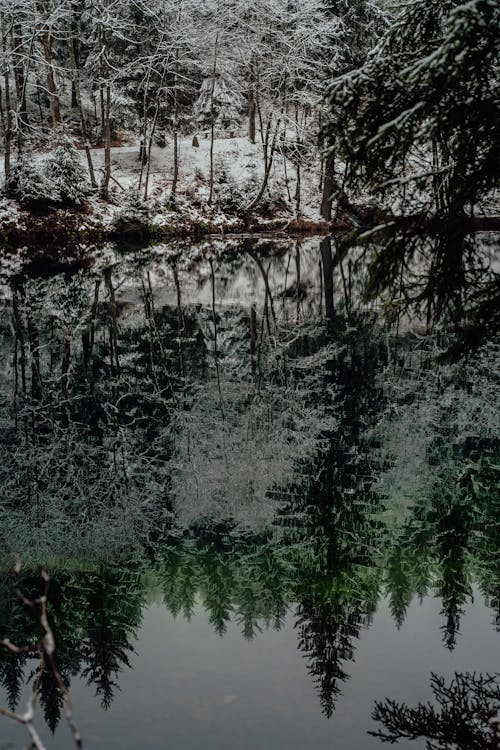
[249,374]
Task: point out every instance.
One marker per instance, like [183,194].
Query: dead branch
[46,648]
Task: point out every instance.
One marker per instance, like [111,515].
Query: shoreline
[64,227]
[60,227]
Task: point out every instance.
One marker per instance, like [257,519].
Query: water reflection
[466,717]
[244,433]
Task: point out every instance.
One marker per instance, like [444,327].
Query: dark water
[264,510]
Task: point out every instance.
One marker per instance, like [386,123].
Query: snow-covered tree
[423,112]
[65,172]
[417,126]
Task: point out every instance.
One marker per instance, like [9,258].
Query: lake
[268,507]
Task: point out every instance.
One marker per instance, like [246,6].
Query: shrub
[58,178]
[228,195]
[66,173]
[30,186]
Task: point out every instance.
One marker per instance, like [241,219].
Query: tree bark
[19,78]
[46,38]
[212,120]
[269,151]
[7,124]
[107,143]
[251,102]
[327,264]
[106,107]
[78,99]
[175,176]
[328,187]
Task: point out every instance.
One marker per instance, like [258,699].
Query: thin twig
[46,649]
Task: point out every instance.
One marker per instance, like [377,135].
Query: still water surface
[264,510]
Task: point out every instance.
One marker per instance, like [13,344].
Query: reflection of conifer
[178,580]
[217,582]
[50,697]
[481,483]
[17,625]
[12,676]
[461,719]
[114,606]
[400,585]
[105,658]
[453,530]
[326,636]
[341,528]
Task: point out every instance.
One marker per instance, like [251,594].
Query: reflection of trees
[461,720]
[329,622]
[445,277]
[67,449]
[340,518]
[94,616]
[447,542]
[250,459]
[16,624]
[441,456]
[102,390]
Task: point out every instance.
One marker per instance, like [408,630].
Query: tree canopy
[418,122]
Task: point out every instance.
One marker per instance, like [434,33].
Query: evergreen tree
[422,113]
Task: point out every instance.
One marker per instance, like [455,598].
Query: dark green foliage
[462,721]
[428,90]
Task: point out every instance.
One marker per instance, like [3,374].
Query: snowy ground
[240,160]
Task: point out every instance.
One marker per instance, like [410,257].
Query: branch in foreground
[46,650]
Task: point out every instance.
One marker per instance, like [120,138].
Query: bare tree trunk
[269,149]
[297,164]
[107,143]
[7,120]
[46,37]
[144,138]
[78,98]
[38,97]
[175,176]
[55,111]
[101,109]
[106,107]
[251,102]
[285,172]
[20,129]
[73,43]
[328,187]
[2,111]
[149,148]
[297,189]
[20,75]
[212,120]
[7,129]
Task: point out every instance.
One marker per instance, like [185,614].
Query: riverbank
[144,205]
[98,222]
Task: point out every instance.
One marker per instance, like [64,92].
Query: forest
[226,108]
